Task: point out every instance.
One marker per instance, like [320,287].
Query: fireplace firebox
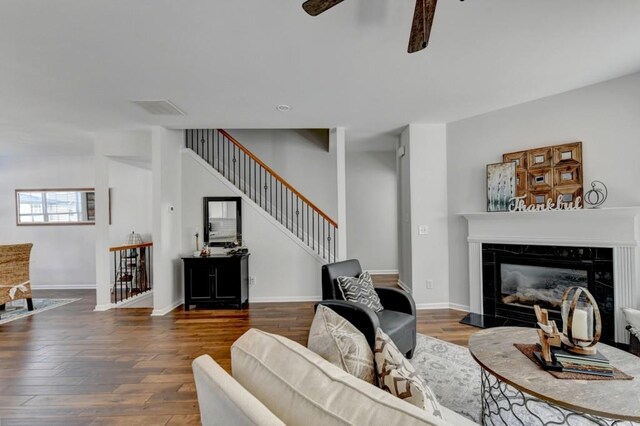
[516,277]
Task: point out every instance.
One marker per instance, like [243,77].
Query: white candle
[579,325]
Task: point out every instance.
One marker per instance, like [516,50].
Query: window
[55,206]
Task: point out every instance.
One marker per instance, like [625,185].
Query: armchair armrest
[363,318]
[396,299]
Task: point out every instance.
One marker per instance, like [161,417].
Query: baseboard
[102,308]
[458,307]
[285,299]
[383,271]
[442,305]
[135,300]
[404,287]
[164,311]
[64,287]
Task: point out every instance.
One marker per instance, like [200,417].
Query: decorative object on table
[39,305]
[549,173]
[197,240]
[205,251]
[549,336]
[530,350]
[133,239]
[597,195]
[15,282]
[501,186]
[581,322]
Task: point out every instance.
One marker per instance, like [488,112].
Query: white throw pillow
[397,376]
[633,318]
[341,343]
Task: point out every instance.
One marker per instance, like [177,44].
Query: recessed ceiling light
[283,108]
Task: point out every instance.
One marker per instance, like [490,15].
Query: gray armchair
[397,319]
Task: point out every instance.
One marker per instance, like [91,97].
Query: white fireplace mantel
[617,228]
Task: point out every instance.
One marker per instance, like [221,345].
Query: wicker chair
[14,274]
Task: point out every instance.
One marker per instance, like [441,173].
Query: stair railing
[266,188]
[132,271]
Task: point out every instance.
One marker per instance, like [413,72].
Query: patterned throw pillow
[341,343]
[398,377]
[360,290]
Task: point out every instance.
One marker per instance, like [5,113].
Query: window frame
[44,213]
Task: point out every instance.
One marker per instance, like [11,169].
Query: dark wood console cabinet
[216,281]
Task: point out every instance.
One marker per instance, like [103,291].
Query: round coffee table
[517,391]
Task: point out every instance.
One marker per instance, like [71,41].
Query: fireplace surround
[617,229]
[516,276]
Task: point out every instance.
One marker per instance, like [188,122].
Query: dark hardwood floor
[73,366]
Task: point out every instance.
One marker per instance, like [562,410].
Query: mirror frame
[43,190]
[205,218]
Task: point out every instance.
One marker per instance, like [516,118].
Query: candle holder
[579,333]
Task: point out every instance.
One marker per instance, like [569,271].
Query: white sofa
[277,381]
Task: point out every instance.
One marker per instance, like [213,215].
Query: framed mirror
[222,220]
[55,206]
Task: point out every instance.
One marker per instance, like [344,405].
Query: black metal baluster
[335,247]
[324,249]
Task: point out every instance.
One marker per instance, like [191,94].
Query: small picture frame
[501,186]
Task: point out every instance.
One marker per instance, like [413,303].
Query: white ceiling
[69,67]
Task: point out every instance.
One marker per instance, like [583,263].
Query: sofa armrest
[223,401]
[363,318]
[396,299]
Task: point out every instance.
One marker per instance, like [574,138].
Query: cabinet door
[227,282]
[201,278]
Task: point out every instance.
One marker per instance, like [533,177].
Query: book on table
[597,364]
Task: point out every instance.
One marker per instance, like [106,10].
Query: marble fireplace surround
[617,228]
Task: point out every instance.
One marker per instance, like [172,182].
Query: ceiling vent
[161,107]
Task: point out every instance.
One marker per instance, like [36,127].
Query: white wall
[130,202]
[284,270]
[302,157]
[166,148]
[605,117]
[372,197]
[403,185]
[62,256]
[429,253]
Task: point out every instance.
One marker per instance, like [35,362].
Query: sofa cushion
[341,343]
[300,387]
[360,290]
[398,377]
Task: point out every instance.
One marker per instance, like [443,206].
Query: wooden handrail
[130,247]
[277,176]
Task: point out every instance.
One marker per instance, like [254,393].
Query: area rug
[454,377]
[451,374]
[39,305]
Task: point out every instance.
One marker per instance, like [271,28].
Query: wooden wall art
[548,173]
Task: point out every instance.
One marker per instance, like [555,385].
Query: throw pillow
[633,318]
[360,290]
[341,343]
[398,377]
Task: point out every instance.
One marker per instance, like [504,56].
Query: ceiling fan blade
[422,21]
[316,7]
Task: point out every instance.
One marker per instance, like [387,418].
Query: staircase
[267,189]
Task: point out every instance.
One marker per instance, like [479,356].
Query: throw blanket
[14,289]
